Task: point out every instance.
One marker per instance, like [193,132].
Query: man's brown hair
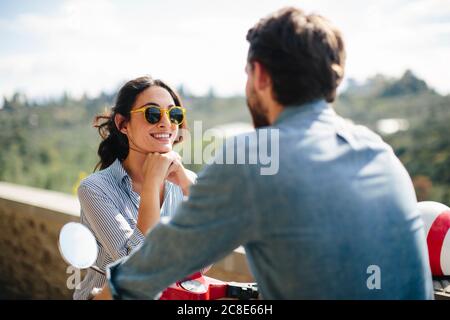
[303,54]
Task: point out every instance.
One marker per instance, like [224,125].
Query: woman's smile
[162,137]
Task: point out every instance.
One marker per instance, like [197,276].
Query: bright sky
[51,46]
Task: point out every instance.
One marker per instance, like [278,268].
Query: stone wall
[30,264]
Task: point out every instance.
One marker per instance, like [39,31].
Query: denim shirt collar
[313,107]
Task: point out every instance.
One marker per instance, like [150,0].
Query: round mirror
[194,286]
[77,245]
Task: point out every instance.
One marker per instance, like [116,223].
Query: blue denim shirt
[337,221]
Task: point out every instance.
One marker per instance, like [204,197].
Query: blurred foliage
[424,148]
[52,144]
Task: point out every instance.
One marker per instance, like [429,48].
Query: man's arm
[215,220]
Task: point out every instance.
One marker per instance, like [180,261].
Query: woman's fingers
[156,166]
[161,166]
[173,155]
[175,162]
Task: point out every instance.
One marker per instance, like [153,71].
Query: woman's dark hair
[115,144]
[303,54]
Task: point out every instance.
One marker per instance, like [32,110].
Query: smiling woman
[139,173]
[133,99]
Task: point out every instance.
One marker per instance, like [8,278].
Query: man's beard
[257,111]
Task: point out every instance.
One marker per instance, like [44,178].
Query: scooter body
[78,248]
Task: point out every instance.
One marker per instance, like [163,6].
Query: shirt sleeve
[204,229]
[110,227]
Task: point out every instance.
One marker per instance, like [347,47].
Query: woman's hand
[156,168]
[103,294]
[179,175]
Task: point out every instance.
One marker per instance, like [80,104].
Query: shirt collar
[117,170]
[313,107]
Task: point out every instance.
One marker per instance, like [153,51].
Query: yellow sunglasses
[153,114]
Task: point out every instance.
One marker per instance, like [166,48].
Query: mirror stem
[98,270]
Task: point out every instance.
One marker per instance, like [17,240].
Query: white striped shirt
[109,208]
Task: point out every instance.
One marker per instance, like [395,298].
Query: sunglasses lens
[176,115]
[153,115]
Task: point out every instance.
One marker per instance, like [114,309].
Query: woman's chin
[163,149]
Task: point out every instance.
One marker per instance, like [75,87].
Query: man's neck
[274,110]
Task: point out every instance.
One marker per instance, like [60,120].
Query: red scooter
[201,287]
[78,248]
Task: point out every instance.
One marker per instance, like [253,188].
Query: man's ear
[262,79]
[121,123]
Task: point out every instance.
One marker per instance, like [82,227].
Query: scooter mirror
[77,245]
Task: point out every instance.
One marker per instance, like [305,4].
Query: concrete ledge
[45,199]
[234,267]
[30,220]
[30,264]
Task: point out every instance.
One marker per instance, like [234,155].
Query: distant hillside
[425,147]
[52,144]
